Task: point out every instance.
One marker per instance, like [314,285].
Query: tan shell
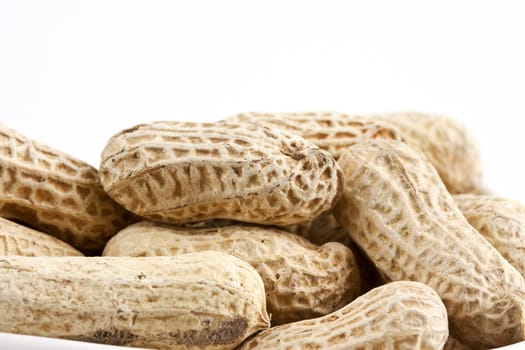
[16,239]
[501,221]
[301,279]
[206,300]
[55,193]
[454,344]
[449,146]
[181,172]
[398,315]
[398,211]
[321,230]
[331,131]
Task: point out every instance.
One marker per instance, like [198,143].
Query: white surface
[74,73]
[25,342]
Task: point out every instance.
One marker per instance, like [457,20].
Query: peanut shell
[301,280]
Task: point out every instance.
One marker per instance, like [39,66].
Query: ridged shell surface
[330,131]
[398,211]
[16,239]
[301,280]
[501,221]
[55,193]
[207,300]
[180,172]
[397,316]
[448,144]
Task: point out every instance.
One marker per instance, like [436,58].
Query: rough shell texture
[16,239]
[207,300]
[330,131]
[501,221]
[325,228]
[449,146]
[396,316]
[55,193]
[454,344]
[181,172]
[398,211]
[301,280]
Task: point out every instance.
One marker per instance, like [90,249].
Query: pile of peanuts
[263,231]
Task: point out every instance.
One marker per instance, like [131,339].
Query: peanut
[206,300]
[321,230]
[399,212]
[330,131]
[501,221]
[55,193]
[301,279]
[449,146]
[454,344]
[180,172]
[16,239]
[398,315]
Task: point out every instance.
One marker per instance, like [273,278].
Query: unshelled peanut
[330,131]
[16,239]
[501,221]
[398,315]
[450,147]
[206,300]
[397,209]
[324,228]
[55,193]
[180,172]
[301,280]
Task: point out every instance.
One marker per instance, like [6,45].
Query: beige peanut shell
[398,315]
[330,131]
[448,144]
[16,239]
[323,229]
[501,221]
[301,280]
[207,300]
[179,172]
[55,193]
[398,211]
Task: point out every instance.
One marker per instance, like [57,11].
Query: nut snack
[397,209]
[55,193]
[454,344]
[398,315]
[179,172]
[330,131]
[501,221]
[321,230]
[449,146]
[301,280]
[17,239]
[207,300]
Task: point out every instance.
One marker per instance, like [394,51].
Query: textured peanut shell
[330,131]
[55,193]
[206,300]
[301,280]
[398,211]
[17,239]
[323,229]
[501,221]
[450,147]
[179,172]
[398,315]
[454,344]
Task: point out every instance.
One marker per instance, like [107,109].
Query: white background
[72,73]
